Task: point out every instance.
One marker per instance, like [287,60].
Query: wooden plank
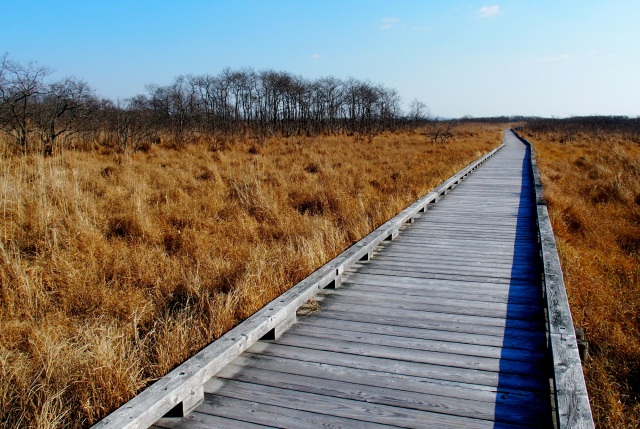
[492,272]
[348,388]
[433,315]
[442,276]
[515,338]
[457,307]
[392,300]
[480,235]
[418,384]
[454,256]
[526,287]
[261,414]
[426,249]
[410,341]
[521,296]
[472,239]
[476,291]
[426,334]
[454,260]
[361,347]
[471,376]
[381,279]
[451,257]
[439,276]
[199,420]
[347,408]
[416,250]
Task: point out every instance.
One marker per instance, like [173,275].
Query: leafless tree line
[596,126]
[271,102]
[38,113]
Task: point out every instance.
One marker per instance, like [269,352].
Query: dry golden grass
[117,267]
[592,186]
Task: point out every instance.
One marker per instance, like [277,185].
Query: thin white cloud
[489,11]
[316,56]
[388,23]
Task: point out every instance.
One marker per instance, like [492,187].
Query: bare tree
[20,85]
[61,108]
[418,111]
[132,124]
[441,131]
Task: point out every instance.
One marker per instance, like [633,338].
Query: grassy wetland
[116,266]
[591,174]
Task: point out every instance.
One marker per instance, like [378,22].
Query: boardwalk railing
[181,390]
[572,401]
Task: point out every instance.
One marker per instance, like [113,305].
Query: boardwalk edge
[180,390]
[572,401]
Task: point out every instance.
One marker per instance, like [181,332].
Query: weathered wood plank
[516,285]
[348,388]
[517,338]
[453,260]
[523,296]
[440,276]
[348,408]
[398,281]
[454,307]
[419,384]
[441,316]
[411,342]
[197,420]
[425,334]
[361,347]
[405,266]
[471,376]
[391,300]
[266,415]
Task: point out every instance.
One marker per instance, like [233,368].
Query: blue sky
[478,58]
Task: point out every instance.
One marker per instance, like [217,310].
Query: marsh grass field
[592,186]
[118,266]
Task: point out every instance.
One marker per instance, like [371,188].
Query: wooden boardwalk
[443,328]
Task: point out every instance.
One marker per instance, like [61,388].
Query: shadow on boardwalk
[525,286]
